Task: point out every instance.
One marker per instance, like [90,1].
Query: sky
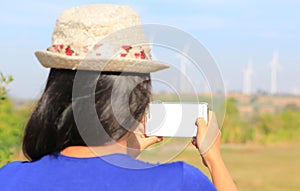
[235,33]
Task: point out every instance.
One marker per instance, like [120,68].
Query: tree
[4,81]
[235,129]
[9,130]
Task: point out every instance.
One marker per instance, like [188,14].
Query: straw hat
[101,38]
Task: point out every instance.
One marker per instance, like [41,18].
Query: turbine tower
[183,74]
[183,63]
[274,70]
[248,73]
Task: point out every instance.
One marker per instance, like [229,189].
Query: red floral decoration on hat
[123,54]
[96,46]
[137,55]
[143,55]
[126,47]
[56,47]
[69,51]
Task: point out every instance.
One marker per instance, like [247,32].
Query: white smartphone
[170,119]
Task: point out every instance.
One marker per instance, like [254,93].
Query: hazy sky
[235,33]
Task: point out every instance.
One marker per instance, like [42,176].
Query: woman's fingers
[151,140]
[145,141]
[194,142]
[200,122]
[212,134]
[201,130]
[206,133]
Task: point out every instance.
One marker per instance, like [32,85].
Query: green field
[265,168]
[260,168]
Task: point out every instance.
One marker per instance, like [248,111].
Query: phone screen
[174,119]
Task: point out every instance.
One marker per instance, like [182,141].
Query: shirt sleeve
[195,180]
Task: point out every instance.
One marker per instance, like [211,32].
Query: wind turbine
[248,73]
[274,69]
[183,63]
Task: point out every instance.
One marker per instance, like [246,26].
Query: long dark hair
[53,124]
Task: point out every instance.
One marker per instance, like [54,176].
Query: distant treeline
[282,126]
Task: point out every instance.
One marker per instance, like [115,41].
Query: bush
[264,128]
[235,130]
[11,129]
[4,81]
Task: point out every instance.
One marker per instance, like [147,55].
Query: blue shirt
[111,172]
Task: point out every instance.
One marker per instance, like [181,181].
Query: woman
[88,125]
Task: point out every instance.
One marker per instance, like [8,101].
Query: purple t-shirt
[111,172]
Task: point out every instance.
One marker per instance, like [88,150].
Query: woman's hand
[208,144]
[138,141]
[208,141]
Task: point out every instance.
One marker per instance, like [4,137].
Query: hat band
[101,50]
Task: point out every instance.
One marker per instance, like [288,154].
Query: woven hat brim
[54,60]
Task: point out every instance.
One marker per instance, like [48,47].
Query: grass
[265,168]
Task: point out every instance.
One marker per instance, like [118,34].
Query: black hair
[119,101]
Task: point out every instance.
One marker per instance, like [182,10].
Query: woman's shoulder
[11,166]
[9,170]
[183,166]
[179,167]
[192,177]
